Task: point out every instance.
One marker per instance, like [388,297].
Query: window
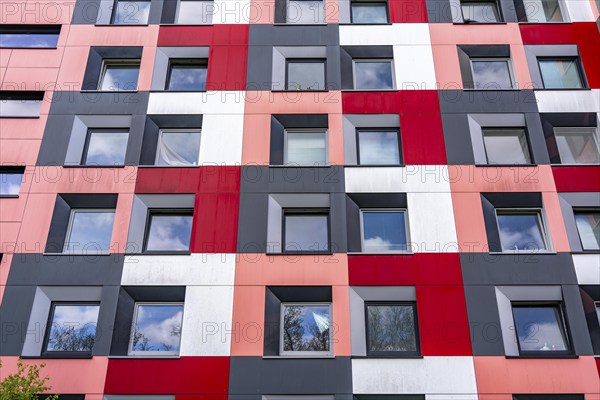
[373,74]
[506,146]
[305,231]
[71,328]
[540,329]
[383,230]
[480,11]
[20,104]
[131,12]
[178,147]
[193,12]
[10,182]
[588,226]
[543,10]
[378,147]
[521,230]
[119,75]
[169,231]
[89,229]
[105,147]
[156,329]
[305,147]
[29,36]
[491,74]
[305,329]
[305,12]
[560,73]
[598,310]
[392,329]
[305,74]
[187,75]
[369,12]
[577,145]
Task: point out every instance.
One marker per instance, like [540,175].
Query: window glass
[156,328]
[306,232]
[169,232]
[378,148]
[521,230]
[588,226]
[131,12]
[10,184]
[306,328]
[491,75]
[72,328]
[306,148]
[373,75]
[178,147]
[28,40]
[560,74]
[598,310]
[577,145]
[187,77]
[391,328]
[89,230]
[543,10]
[120,75]
[306,75]
[539,328]
[506,146]
[480,11]
[106,148]
[384,231]
[305,12]
[192,12]
[369,13]
[16,108]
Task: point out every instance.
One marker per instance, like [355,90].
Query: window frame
[86,146]
[285,211]
[153,354]
[178,9]
[69,231]
[176,212]
[383,209]
[115,9]
[304,354]
[563,12]
[541,223]
[286,4]
[597,307]
[12,171]
[33,30]
[307,60]
[359,130]
[578,64]
[528,153]
[509,66]
[188,63]
[563,324]
[157,153]
[374,60]
[564,131]
[393,354]
[118,61]
[371,3]
[584,210]
[325,131]
[66,354]
[499,16]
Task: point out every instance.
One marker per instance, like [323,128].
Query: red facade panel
[577,179]
[403,11]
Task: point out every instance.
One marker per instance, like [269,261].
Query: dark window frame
[10,170]
[107,62]
[176,212]
[358,130]
[496,3]
[584,210]
[86,145]
[578,64]
[115,9]
[304,353]
[393,354]
[529,154]
[189,63]
[543,224]
[17,29]
[308,60]
[305,211]
[370,4]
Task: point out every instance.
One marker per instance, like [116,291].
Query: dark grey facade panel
[439,11]
[264,179]
[294,35]
[487,101]
[573,201]
[100,12]
[576,321]
[99,103]
[14,318]
[459,148]
[85,12]
[484,320]
[590,294]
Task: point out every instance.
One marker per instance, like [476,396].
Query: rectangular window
[89,230]
[105,147]
[305,329]
[193,12]
[29,36]
[156,329]
[561,73]
[598,310]
[178,147]
[540,329]
[119,75]
[305,12]
[543,10]
[71,329]
[20,104]
[10,182]
[131,12]
[392,329]
[305,147]
[187,75]
[577,145]
[369,12]
[373,74]
[383,230]
[506,146]
[588,226]
[480,11]
[491,74]
[521,230]
[305,231]
[169,231]
[378,147]
[305,74]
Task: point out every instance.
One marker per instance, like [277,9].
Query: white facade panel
[413,178]
[579,10]
[374,35]
[587,268]
[431,223]
[212,102]
[566,101]
[221,139]
[231,12]
[414,68]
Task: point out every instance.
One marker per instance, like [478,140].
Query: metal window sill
[525,253]
[541,356]
[297,357]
